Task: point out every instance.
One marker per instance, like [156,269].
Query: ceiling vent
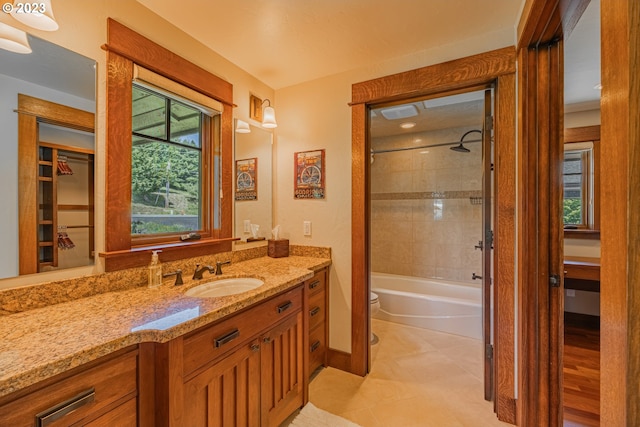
[399,112]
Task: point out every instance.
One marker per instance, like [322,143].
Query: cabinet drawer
[317,309]
[78,397]
[317,348]
[317,283]
[206,345]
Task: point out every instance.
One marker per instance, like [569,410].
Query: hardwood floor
[581,376]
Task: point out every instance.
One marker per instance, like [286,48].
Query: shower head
[460,148]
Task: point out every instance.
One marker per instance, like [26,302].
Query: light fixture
[269,116]
[598,86]
[36,15]
[13,40]
[242,127]
[407,125]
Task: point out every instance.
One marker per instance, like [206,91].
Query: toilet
[375,307]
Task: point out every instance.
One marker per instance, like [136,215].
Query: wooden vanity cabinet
[317,297]
[100,394]
[245,370]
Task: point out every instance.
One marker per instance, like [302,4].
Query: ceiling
[286,42]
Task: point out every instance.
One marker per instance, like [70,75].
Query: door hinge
[554,281]
[488,123]
[489,239]
[488,351]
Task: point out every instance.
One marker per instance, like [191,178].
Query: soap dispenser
[155,271]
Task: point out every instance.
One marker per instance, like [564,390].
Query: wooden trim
[620,182]
[56,114]
[444,77]
[454,76]
[339,359]
[360,218]
[136,257]
[504,248]
[124,48]
[139,49]
[580,134]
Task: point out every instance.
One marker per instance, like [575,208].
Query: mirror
[56,75]
[253,183]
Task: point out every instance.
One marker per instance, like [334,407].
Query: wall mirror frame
[125,48]
[48,96]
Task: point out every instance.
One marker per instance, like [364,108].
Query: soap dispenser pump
[155,271]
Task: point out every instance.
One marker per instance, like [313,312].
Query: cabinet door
[281,357]
[227,393]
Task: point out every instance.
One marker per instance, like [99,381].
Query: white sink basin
[224,287]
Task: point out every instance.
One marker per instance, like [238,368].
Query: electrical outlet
[571,292]
[247,225]
[306,228]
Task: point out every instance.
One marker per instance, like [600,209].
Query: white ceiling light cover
[399,112]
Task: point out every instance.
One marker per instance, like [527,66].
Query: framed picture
[309,172]
[247,179]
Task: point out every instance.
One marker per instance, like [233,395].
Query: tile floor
[418,378]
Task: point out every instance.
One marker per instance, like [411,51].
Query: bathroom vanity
[156,357]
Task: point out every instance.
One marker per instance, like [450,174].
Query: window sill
[582,234]
[140,257]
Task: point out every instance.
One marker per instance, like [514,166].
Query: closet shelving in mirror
[57,182]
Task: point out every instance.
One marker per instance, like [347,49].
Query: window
[166,164]
[581,182]
[137,63]
[578,188]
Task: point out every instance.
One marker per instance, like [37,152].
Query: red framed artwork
[309,172]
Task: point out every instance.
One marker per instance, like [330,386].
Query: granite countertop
[40,343]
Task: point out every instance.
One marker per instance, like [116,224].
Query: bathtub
[451,307]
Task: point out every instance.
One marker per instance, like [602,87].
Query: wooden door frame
[495,67]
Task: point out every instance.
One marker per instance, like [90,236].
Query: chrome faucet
[219,265]
[197,275]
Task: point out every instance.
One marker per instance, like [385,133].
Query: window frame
[580,135]
[124,49]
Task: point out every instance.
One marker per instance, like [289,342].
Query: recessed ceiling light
[417,140]
[407,125]
[424,152]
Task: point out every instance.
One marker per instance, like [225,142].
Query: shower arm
[443,144]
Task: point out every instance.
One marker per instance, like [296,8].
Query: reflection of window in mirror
[581,209]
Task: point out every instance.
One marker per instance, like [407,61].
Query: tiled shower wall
[423,223]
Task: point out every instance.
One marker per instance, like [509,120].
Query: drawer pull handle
[219,342]
[315,346]
[284,307]
[47,417]
[314,284]
[314,311]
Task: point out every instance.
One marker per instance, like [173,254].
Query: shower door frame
[495,68]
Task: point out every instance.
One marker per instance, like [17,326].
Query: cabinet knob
[266,340]
[255,347]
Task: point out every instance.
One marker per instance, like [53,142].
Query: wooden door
[487,249]
[281,357]
[228,393]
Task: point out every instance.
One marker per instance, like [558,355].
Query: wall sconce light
[268,116]
[242,126]
[36,15]
[13,40]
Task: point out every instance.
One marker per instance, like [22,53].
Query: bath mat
[310,416]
